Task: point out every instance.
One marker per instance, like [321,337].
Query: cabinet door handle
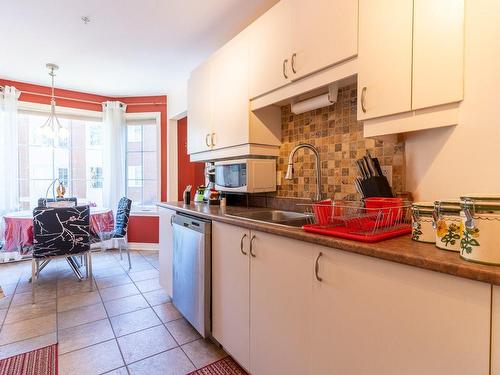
[241,245]
[172,220]
[206,140]
[285,63]
[251,246]
[213,139]
[293,63]
[316,267]
[363,99]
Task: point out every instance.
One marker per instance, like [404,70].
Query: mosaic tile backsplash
[338,136]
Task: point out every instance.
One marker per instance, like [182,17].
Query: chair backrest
[61,231]
[122,216]
[43,202]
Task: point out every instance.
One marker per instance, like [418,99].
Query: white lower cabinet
[280,305]
[280,308]
[376,317]
[231,290]
[495,331]
[166,249]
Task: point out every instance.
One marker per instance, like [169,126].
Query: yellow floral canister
[423,222]
[480,240]
[447,222]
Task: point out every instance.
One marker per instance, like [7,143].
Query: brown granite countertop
[401,250]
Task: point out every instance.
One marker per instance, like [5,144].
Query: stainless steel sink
[286,218]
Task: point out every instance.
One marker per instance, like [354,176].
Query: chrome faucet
[289,170]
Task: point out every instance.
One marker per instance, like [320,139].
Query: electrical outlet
[387,171]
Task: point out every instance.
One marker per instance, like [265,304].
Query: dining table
[18,227]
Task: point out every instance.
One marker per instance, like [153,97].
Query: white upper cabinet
[269,49]
[325,32]
[384,57]
[372,316]
[438,50]
[230,116]
[199,93]
[410,55]
[298,37]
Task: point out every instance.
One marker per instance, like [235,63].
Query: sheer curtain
[114,153]
[9,163]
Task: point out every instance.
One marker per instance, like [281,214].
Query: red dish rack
[370,220]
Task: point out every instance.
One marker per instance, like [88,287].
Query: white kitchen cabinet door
[495,331]
[230,290]
[199,105]
[166,249]
[270,44]
[280,309]
[231,107]
[384,57]
[325,32]
[381,318]
[438,52]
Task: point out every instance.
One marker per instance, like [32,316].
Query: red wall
[142,228]
[188,173]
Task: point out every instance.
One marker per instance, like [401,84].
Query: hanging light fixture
[52,127]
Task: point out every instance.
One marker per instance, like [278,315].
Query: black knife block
[376,186]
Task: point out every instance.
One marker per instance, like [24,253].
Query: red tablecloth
[19,227]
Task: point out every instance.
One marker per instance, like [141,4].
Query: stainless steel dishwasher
[192,258]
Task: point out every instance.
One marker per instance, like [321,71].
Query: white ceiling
[130,47]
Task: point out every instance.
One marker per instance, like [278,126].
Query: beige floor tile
[119,291]
[144,275]
[107,272]
[120,371]
[108,282]
[74,301]
[72,286]
[167,312]
[182,331]
[157,297]
[3,313]
[148,285]
[125,305]
[28,345]
[138,266]
[30,311]
[27,329]
[81,315]
[134,321]
[25,285]
[148,342]
[95,359]
[5,302]
[41,294]
[203,352]
[84,335]
[172,362]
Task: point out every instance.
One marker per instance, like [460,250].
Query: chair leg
[125,242]
[89,270]
[120,248]
[33,279]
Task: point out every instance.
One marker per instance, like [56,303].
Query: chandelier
[52,127]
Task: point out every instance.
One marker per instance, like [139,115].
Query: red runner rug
[225,366]
[41,361]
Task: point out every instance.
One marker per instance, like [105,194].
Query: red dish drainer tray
[342,232]
[374,220]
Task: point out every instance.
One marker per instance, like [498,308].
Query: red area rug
[41,361]
[225,366]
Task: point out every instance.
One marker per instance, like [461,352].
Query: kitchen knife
[360,169]
[377,167]
[359,189]
[365,168]
[371,167]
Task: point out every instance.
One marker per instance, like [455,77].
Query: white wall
[448,162]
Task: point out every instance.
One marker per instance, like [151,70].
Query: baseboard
[143,246]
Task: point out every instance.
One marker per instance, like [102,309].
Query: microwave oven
[246,175]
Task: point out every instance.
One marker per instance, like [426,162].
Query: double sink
[277,217]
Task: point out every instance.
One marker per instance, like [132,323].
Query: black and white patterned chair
[61,232]
[45,202]
[119,233]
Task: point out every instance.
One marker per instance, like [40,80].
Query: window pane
[150,165]
[150,141]
[150,194]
